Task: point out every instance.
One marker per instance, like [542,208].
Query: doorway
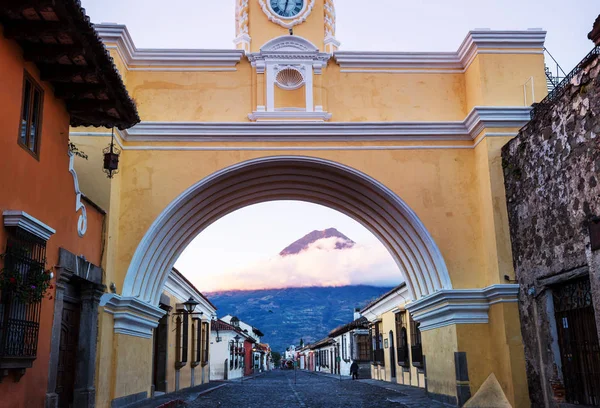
[161,343]
[578,342]
[69,340]
[392,355]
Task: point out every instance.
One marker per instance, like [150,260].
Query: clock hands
[285,9]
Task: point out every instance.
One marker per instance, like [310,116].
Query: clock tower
[259,21]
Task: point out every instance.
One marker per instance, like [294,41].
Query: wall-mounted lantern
[111,157]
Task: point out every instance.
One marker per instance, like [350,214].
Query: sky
[241,250]
[384,25]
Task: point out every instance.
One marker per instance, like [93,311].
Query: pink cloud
[319,265]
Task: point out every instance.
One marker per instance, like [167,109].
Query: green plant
[29,287]
[75,150]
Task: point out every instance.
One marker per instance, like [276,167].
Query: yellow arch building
[408,144]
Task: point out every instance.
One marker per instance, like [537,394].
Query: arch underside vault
[287,178]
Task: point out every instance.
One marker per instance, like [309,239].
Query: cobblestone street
[277,389]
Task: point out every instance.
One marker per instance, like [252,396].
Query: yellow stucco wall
[439,346]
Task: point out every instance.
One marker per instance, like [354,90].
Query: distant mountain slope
[286,315]
[303,243]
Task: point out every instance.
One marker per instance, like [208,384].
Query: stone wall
[552,176]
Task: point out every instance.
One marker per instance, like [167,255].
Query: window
[231,346]
[344,347]
[364,347]
[19,320]
[30,125]
[402,339]
[205,343]
[181,338]
[415,340]
[196,342]
[377,341]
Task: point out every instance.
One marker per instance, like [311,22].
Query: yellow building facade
[407,144]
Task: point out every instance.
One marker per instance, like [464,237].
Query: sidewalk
[411,397]
[334,376]
[175,399]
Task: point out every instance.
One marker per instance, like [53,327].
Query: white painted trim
[339,187]
[460,306]
[82,220]
[301,148]
[397,300]
[20,219]
[287,22]
[160,58]
[132,316]
[304,129]
[276,116]
[179,288]
[476,42]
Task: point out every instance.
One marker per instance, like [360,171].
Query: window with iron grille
[19,321]
[364,347]
[402,339]
[196,342]
[416,347]
[31,115]
[231,346]
[377,337]
[205,342]
[181,338]
[344,347]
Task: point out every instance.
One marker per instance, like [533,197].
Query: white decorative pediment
[20,219]
[289,43]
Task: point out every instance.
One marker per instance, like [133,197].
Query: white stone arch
[287,178]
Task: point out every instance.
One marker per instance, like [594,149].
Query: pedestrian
[354,370]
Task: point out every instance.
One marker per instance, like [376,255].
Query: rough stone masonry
[552,180]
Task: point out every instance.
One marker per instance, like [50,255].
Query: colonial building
[54,72]
[257,351]
[325,356]
[228,351]
[182,338]
[354,342]
[551,173]
[397,350]
[407,143]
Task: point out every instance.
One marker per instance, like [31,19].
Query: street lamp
[190,305]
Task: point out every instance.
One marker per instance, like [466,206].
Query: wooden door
[160,354]
[67,357]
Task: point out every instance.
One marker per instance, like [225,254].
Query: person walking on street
[354,370]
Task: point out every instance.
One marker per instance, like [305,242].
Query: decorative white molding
[476,42]
[340,187]
[288,52]
[289,115]
[468,129]
[460,306]
[395,300]
[82,220]
[180,288]
[161,59]
[20,219]
[132,316]
[285,22]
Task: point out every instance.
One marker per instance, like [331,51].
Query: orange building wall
[45,190]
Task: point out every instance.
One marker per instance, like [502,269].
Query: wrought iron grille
[416,347]
[19,321]
[402,339]
[559,89]
[578,342]
[378,356]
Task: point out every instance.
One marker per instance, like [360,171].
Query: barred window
[416,347]
[402,339]
[181,340]
[205,342]
[25,258]
[196,341]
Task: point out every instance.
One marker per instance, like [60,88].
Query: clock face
[287,8]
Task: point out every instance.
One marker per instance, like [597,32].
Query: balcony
[403,356]
[417,355]
[378,357]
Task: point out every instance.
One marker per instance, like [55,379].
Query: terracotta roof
[385,295]
[360,323]
[221,325]
[59,38]
[322,343]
